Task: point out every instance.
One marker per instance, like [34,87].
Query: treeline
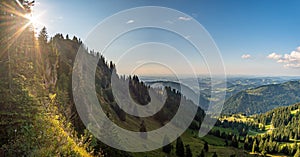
[276,131]
[60,59]
[283,135]
[266,144]
[284,121]
[139,92]
[182,150]
[241,127]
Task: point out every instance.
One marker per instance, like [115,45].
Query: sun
[34,20]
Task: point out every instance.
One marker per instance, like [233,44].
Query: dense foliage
[31,123]
[274,132]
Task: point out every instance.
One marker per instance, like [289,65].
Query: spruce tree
[188,151]
[215,154]
[179,147]
[202,154]
[167,148]
[206,146]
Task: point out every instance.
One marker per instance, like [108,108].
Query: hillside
[274,133]
[32,122]
[263,98]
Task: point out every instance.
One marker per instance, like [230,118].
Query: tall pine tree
[179,147]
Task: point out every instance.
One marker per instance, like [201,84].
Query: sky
[254,37]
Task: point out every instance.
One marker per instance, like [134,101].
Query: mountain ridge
[263,98]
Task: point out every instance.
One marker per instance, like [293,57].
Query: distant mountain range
[263,98]
[244,95]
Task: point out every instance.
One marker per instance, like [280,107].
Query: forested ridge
[38,115]
[274,132]
[263,98]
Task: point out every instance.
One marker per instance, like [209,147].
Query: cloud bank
[291,60]
[184,18]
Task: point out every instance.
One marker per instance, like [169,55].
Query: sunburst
[31,20]
[32,17]
[35,19]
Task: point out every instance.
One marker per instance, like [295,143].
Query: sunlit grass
[295,111]
[237,118]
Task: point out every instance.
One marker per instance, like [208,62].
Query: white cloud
[274,56]
[129,21]
[291,60]
[184,18]
[246,56]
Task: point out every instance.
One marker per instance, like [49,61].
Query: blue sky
[255,37]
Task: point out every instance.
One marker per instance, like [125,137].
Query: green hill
[263,98]
[274,133]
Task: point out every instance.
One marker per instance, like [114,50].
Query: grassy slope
[60,135]
[189,137]
[197,144]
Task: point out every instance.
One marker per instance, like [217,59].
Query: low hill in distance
[263,98]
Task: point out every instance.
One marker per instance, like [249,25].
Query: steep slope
[30,123]
[263,98]
[138,90]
